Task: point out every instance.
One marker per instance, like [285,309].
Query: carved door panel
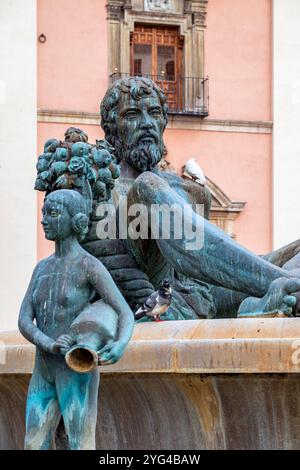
[156,52]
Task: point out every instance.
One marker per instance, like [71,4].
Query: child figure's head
[65,213]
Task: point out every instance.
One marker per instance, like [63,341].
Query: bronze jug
[94,328]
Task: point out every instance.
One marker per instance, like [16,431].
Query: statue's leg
[221,261]
[227,302]
[279,300]
[282,298]
[289,258]
[78,397]
[42,414]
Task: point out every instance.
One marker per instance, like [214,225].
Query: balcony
[185,95]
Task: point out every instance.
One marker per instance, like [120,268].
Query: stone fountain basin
[200,384]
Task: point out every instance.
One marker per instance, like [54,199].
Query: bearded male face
[139,131]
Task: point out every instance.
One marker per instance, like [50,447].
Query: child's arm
[104,284]
[26,326]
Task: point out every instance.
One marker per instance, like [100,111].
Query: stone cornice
[175,122]
[70,117]
[219,125]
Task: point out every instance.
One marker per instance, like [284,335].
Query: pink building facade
[232,145]
[240,50]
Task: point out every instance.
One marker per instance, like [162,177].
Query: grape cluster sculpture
[76,164]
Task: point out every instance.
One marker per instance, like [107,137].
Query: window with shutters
[163,40]
[156,52]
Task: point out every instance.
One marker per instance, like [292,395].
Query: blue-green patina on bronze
[220,278]
[58,316]
[75,312]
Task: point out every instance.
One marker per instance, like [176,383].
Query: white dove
[194,171]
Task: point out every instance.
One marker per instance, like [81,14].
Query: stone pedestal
[203,384]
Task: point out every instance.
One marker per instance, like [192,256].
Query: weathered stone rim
[197,346]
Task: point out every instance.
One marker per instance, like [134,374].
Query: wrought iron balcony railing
[185,95]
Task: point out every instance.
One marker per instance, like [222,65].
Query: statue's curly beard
[143,156]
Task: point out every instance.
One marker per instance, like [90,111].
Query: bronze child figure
[60,289]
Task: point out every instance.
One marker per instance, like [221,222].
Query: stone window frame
[121,19]
[223,211]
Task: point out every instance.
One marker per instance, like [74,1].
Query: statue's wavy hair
[138,87]
[77,208]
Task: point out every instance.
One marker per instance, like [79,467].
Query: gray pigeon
[157,303]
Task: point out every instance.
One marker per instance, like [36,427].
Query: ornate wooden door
[156,52]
